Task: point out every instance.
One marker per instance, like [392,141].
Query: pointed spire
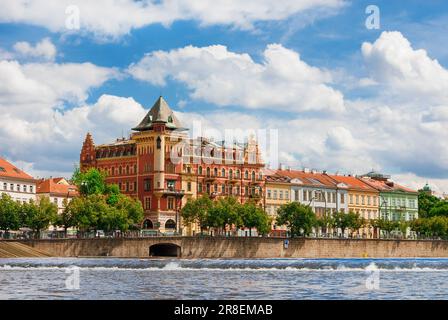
[160,112]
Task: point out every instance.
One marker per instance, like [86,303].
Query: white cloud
[407,73]
[216,75]
[43,49]
[106,18]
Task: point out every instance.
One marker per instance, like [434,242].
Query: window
[135,169]
[260,176]
[127,186]
[170,203]
[305,193]
[237,174]
[171,184]
[357,199]
[280,194]
[208,172]
[199,187]
[342,198]
[269,194]
[351,199]
[18,187]
[246,174]
[159,143]
[215,172]
[369,200]
[147,185]
[246,191]
[223,172]
[11,187]
[286,195]
[275,194]
[230,174]
[216,187]
[5,186]
[200,170]
[363,200]
[296,195]
[223,188]
[31,189]
[55,200]
[188,186]
[147,203]
[253,175]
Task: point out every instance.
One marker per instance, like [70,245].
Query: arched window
[208,172]
[223,172]
[112,171]
[246,174]
[230,174]
[215,172]
[253,175]
[170,224]
[135,168]
[238,174]
[147,224]
[200,170]
[120,170]
[127,169]
[159,142]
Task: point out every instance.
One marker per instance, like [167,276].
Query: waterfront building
[162,166]
[277,193]
[58,190]
[396,202]
[362,199]
[318,190]
[16,183]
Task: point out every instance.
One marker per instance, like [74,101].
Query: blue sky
[381,105]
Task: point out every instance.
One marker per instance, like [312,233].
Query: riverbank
[220,247]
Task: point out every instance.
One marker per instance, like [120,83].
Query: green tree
[39,215]
[66,219]
[252,216]
[132,208]
[226,212]
[9,214]
[439,209]
[90,182]
[299,218]
[425,203]
[197,211]
[88,211]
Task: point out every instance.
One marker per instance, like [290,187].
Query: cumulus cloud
[107,18]
[44,49]
[216,75]
[406,73]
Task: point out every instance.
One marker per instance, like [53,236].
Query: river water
[110,278]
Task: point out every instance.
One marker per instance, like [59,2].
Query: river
[111,278]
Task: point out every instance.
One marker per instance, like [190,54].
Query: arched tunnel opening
[164,250]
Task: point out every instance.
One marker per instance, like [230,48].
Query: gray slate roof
[159,113]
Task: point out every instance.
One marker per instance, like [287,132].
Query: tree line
[99,207]
[225,214]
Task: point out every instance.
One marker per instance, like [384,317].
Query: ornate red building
[162,166]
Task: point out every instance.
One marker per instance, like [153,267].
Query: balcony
[171,191]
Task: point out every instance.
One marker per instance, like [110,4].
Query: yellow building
[362,199]
[277,193]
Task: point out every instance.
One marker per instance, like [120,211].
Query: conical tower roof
[160,112]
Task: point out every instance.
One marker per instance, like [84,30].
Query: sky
[344,97]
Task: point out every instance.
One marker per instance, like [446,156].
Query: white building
[318,191]
[58,190]
[16,183]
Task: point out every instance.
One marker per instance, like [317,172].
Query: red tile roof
[386,185]
[353,182]
[8,170]
[309,178]
[54,186]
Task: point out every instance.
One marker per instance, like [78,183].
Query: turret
[88,154]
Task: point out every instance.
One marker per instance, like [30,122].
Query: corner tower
[159,178]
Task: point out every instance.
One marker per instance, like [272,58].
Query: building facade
[277,193]
[58,190]
[396,202]
[163,167]
[317,190]
[16,183]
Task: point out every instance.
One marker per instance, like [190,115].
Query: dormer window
[170,119]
